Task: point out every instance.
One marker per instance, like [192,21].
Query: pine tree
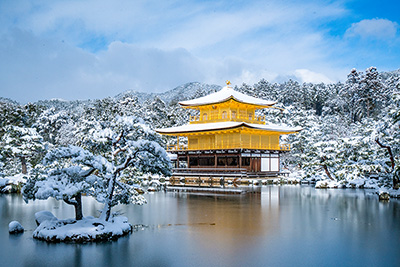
[369,92]
[24,144]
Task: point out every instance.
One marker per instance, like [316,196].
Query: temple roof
[225,94]
[203,127]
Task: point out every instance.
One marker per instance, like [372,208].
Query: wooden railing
[281,147]
[228,117]
[176,147]
[210,170]
[285,147]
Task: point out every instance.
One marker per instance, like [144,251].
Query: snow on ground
[394,193]
[18,178]
[360,183]
[89,229]
[3,182]
[355,183]
[7,182]
[44,215]
[329,184]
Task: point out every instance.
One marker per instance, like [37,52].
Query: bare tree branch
[389,149]
[88,172]
[119,150]
[119,138]
[69,201]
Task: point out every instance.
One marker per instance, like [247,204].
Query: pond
[281,226]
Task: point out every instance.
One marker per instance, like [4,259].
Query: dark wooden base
[236,162]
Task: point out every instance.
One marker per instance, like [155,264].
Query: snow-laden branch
[78,155]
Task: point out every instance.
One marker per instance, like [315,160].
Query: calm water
[282,226]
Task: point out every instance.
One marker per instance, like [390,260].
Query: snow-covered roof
[225,94]
[202,127]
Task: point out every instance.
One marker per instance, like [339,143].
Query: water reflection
[281,226]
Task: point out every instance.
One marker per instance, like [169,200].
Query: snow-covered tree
[10,114]
[370,92]
[24,144]
[1,166]
[71,171]
[124,147]
[49,123]
[349,94]
[133,149]
[388,136]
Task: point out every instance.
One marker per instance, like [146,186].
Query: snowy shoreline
[11,184]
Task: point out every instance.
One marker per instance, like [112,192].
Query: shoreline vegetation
[14,184]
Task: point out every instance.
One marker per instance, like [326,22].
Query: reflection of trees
[317,212]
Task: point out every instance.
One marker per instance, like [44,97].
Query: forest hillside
[351,129]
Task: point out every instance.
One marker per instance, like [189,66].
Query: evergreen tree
[369,92]
[24,144]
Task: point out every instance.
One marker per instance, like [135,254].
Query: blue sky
[97,48]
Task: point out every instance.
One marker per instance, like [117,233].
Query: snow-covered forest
[351,129]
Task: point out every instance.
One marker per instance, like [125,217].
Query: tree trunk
[78,207]
[389,149]
[23,165]
[108,204]
[323,159]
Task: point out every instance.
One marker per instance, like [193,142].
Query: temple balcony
[281,147]
[227,117]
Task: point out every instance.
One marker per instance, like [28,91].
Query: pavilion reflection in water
[225,219]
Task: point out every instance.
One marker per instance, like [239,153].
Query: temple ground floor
[226,163]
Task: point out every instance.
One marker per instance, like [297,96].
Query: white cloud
[34,68]
[98,48]
[37,68]
[309,76]
[229,29]
[373,28]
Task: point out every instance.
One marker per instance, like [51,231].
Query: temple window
[206,161]
[232,161]
[245,161]
[221,161]
[193,161]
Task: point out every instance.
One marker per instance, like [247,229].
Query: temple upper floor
[227,105]
[227,111]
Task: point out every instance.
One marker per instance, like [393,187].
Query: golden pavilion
[227,137]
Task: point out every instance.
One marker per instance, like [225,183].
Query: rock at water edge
[15,227]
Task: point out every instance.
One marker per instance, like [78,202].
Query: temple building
[227,137]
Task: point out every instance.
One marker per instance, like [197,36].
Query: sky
[96,48]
